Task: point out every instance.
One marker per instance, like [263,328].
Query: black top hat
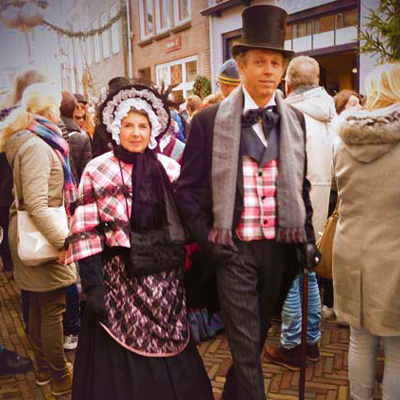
[80,98]
[263,28]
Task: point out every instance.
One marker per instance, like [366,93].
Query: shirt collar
[250,104]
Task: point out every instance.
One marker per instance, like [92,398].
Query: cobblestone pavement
[325,380]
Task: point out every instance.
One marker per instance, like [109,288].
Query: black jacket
[102,141]
[81,148]
[194,189]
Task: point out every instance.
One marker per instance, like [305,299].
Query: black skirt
[105,370]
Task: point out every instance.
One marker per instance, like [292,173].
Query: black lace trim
[93,195]
[99,230]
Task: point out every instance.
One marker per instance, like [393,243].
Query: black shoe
[12,363]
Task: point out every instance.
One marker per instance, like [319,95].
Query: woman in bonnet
[127,237]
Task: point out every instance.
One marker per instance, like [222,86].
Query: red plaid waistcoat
[101,204]
[258,219]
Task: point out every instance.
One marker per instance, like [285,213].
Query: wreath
[202,86]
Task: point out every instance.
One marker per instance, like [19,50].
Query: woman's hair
[383,86]
[213,99]
[38,99]
[193,103]
[140,112]
[342,98]
[68,104]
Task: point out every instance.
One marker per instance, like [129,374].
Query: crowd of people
[188,219]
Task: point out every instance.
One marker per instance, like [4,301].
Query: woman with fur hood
[366,249]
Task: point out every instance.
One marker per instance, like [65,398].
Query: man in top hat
[244,196]
[228,77]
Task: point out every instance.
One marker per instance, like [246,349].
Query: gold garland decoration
[81,34]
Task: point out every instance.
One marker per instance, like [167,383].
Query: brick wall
[195,41]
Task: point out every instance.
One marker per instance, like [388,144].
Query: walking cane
[303,365]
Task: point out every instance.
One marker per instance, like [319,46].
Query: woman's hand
[62,257]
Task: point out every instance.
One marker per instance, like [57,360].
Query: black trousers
[5,253]
[252,286]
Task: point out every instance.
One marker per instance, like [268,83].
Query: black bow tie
[269,117]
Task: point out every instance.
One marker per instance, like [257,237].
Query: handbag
[325,244]
[33,248]
[152,252]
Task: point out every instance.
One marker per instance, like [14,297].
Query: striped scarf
[51,134]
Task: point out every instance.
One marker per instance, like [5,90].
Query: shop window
[163,22]
[114,30]
[301,33]
[146,18]
[230,40]
[324,32]
[96,42]
[347,26]
[288,37]
[181,73]
[105,36]
[191,71]
[182,11]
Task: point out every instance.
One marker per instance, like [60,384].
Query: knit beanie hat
[229,73]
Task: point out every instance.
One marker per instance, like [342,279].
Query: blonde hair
[213,99]
[38,99]
[302,71]
[383,86]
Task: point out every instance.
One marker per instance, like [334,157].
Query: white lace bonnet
[141,97]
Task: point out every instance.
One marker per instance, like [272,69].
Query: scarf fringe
[291,235]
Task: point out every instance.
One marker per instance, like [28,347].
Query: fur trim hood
[369,135]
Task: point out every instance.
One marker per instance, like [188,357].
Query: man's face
[261,74]
[226,89]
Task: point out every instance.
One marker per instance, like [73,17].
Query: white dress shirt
[250,104]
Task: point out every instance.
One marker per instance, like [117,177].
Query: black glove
[308,256]
[95,302]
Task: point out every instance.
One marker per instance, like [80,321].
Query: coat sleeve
[306,186]
[35,170]
[86,239]
[85,153]
[193,194]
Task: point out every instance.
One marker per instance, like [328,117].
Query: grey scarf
[225,158]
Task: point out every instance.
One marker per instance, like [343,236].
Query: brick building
[87,64]
[171,42]
[323,29]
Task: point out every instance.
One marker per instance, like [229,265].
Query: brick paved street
[326,380]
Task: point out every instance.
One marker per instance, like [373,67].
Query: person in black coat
[244,196]
[81,149]
[102,141]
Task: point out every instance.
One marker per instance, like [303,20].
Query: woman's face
[79,111]
[353,103]
[135,132]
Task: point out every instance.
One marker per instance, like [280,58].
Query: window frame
[115,47]
[159,11]
[177,10]
[184,85]
[144,34]
[96,42]
[105,36]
